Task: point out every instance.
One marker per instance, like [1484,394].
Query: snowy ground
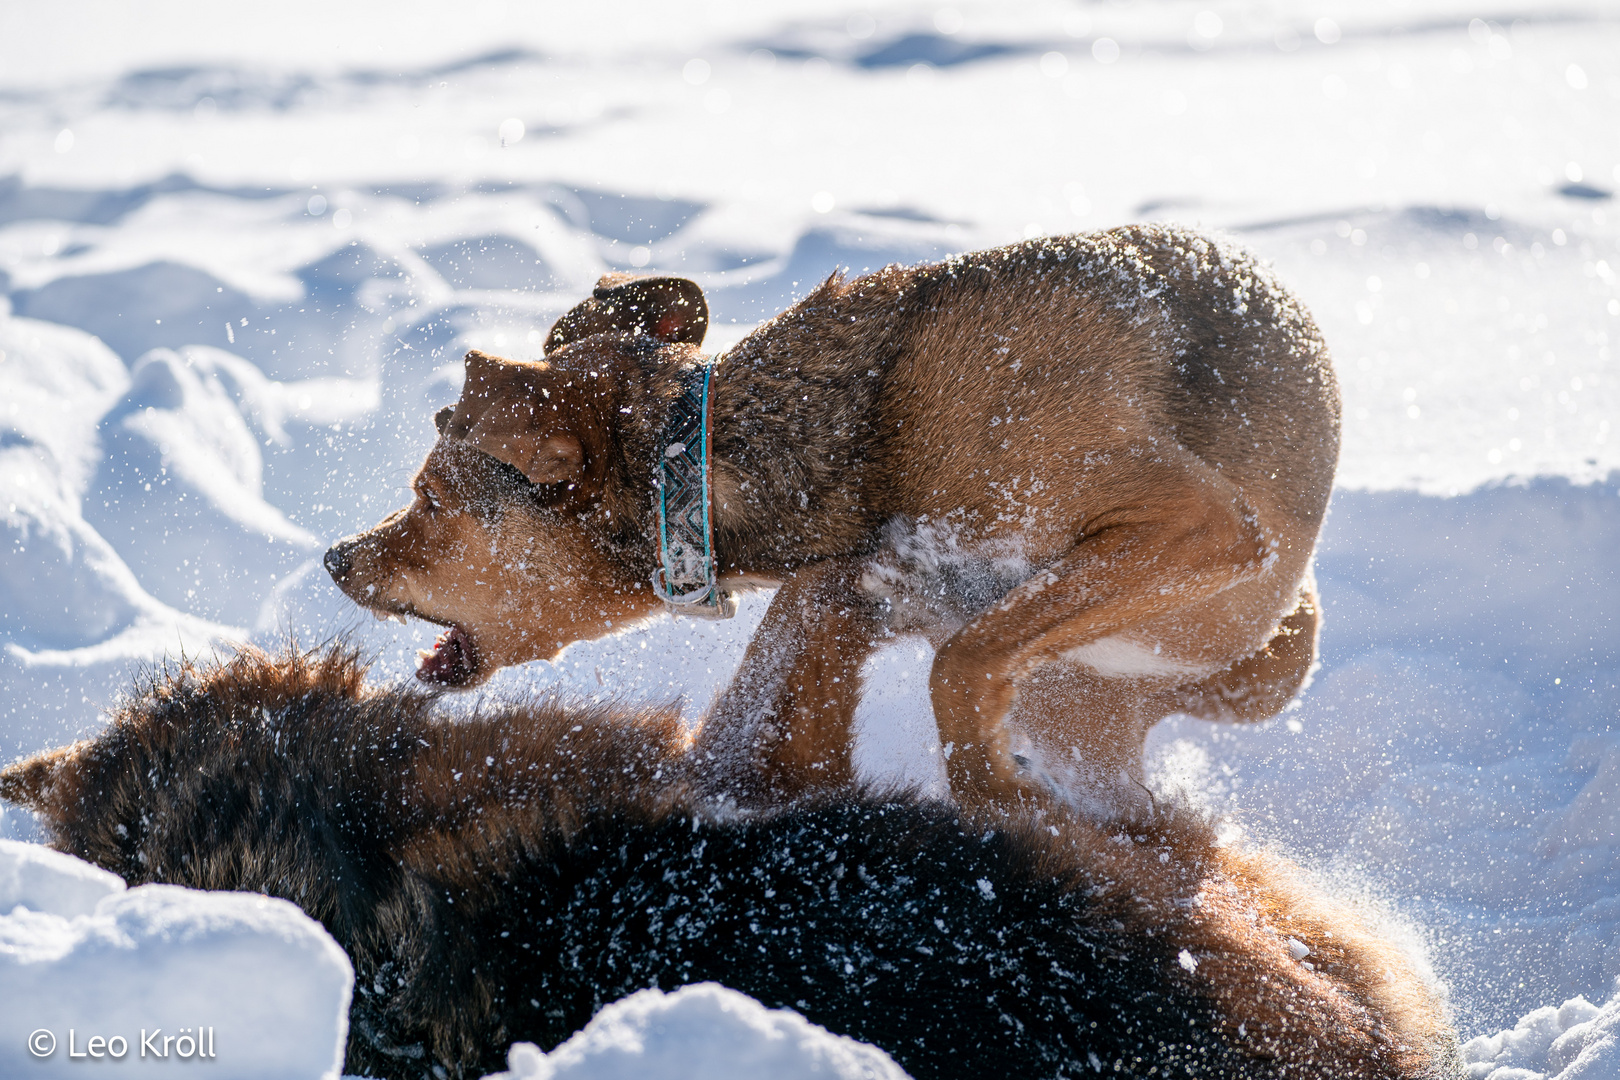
[242,250]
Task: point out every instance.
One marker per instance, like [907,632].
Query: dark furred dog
[503,877]
[1091,469]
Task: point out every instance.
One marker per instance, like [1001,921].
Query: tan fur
[1362,981]
[47,779]
[1365,1007]
[1099,461]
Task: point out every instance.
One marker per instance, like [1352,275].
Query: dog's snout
[338,559]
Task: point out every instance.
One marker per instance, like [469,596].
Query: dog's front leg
[1108,583]
[782,727]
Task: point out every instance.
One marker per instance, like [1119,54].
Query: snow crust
[241,253]
[82,957]
[702,1030]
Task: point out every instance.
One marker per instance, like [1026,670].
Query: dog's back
[1038,368]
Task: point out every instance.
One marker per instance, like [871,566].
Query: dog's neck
[794,434]
[794,431]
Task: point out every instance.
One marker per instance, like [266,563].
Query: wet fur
[502,877]
[1145,418]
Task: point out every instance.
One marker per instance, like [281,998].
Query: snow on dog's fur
[501,877]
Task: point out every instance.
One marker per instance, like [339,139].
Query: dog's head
[184,761]
[502,545]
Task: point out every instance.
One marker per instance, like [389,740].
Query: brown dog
[1091,469]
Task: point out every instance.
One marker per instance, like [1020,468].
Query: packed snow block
[161,303]
[700,1031]
[50,882]
[158,976]
[1573,1041]
[179,492]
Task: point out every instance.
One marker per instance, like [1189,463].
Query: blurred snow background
[242,250]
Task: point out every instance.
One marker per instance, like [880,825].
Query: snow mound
[81,957]
[1574,1041]
[43,880]
[180,489]
[706,1031]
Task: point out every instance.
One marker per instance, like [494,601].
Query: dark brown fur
[1108,454]
[501,877]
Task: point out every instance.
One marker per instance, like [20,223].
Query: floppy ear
[504,414]
[28,783]
[486,379]
[482,372]
[671,309]
[509,432]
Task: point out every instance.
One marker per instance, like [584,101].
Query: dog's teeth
[424,654]
[398,617]
[380,616]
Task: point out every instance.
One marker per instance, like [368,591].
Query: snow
[241,252]
[1573,1041]
[81,958]
[702,1030]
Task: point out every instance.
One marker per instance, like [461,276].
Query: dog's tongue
[452,662]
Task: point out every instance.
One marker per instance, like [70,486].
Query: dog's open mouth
[452,661]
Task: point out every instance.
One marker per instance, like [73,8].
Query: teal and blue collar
[687,575]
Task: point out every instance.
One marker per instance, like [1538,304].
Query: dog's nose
[337,558]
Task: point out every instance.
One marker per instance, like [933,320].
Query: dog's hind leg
[1089,729]
[1195,543]
[782,727]
[1259,686]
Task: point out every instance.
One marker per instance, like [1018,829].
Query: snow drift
[703,1030]
[82,958]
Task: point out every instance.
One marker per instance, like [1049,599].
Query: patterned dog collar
[686,576]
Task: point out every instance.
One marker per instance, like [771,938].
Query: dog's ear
[482,371]
[507,415]
[29,783]
[485,380]
[510,431]
[671,309]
